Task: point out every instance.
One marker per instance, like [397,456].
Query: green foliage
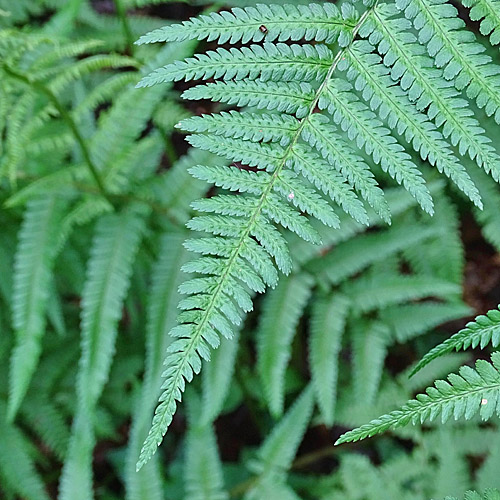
[317,127]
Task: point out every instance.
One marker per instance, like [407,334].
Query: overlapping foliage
[347,115]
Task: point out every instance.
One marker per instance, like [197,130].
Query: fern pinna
[332,94]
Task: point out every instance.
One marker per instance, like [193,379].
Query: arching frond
[32,277]
[483,331]
[463,395]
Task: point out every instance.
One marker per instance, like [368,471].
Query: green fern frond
[369,346]
[327,325]
[376,291]
[427,87]
[268,62]
[488,12]
[115,243]
[463,395]
[319,22]
[279,448]
[203,477]
[483,331]
[32,277]
[302,80]
[489,494]
[278,321]
[455,50]
[287,97]
[17,470]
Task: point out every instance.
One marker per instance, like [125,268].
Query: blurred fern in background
[328,135]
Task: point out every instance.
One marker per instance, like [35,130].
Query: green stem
[69,120]
[129,36]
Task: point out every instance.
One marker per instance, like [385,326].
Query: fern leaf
[327,325]
[369,345]
[248,126]
[427,88]
[279,448]
[17,469]
[463,395]
[455,50]
[352,256]
[372,78]
[277,62]
[286,97]
[32,278]
[162,307]
[363,127]
[217,376]
[409,320]
[484,330]
[203,476]
[319,22]
[375,291]
[278,322]
[488,12]
[115,243]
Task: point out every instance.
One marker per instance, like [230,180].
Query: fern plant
[350,68]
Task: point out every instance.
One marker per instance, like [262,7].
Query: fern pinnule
[162,305]
[116,240]
[287,97]
[427,87]
[372,78]
[464,395]
[319,22]
[328,318]
[283,308]
[489,494]
[33,267]
[463,59]
[488,13]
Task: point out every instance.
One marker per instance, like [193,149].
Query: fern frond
[17,470]
[203,476]
[463,395]
[455,50]
[282,310]
[488,12]
[33,267]
[287,97]
[319,22]
[484,330]
[362,126]
[115,243]
[276,62]
[279,448]
[372,78]
[375,291]
[327,325]
[426,86]
[489,494]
